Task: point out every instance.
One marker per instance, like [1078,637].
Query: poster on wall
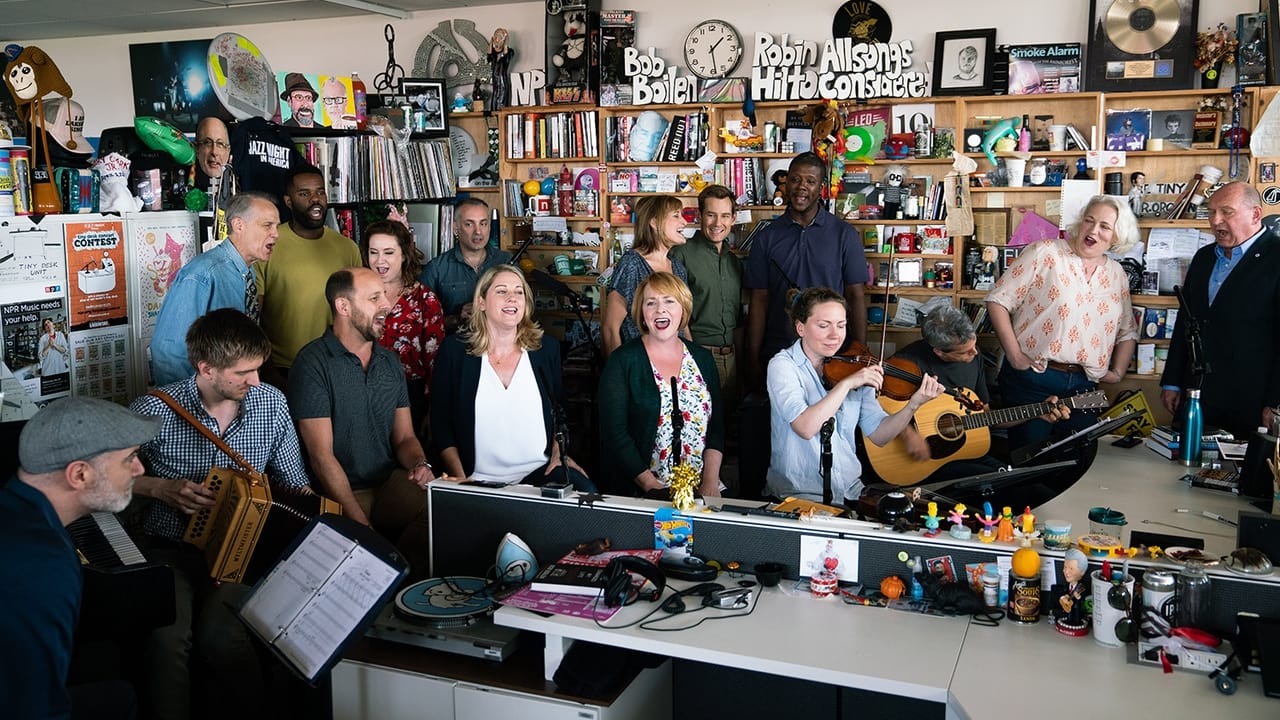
[33,310]
[96,273]
[171,82]
[159,245]
[101,359]
[310,100]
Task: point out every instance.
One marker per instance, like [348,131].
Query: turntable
[452,614]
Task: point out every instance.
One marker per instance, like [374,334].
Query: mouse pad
[1139,537]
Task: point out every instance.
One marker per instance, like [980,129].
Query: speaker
[617,580]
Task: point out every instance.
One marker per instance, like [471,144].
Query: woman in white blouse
[1063,316]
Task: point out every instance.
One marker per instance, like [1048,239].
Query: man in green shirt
[715,277]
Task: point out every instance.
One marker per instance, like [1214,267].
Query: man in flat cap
[76,456]
[301,96]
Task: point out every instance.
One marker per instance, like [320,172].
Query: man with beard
[806,247]
[307,252]
[224,394]
[76,456]
[301,97]
[349,398]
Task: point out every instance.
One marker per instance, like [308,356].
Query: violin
[902,377]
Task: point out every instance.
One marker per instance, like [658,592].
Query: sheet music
[314,599]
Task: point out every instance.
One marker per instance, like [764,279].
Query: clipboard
[324,592]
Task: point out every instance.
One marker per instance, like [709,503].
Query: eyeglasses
[336,101]
[209,143]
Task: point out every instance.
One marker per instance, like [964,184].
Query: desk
[963,667]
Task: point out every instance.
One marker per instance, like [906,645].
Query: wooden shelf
[591,159]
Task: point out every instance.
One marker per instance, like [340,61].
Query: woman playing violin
[799,406]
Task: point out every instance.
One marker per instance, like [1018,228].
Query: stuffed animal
[572,55]
[31,74]
[114,195]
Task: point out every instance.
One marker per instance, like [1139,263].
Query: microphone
[559,423]
[1195,342]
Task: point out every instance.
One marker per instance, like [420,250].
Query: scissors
[389,79]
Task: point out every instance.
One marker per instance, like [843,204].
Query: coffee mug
[1057,137]
[540,205]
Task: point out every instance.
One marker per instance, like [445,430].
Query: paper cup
[1057,137]
[1105,617]
[1017,169]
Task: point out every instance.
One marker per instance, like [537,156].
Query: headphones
[675,603]
[617,580]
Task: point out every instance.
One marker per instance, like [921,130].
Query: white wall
[98,68]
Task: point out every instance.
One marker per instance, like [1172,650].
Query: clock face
[712,49]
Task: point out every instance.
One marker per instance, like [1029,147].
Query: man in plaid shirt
[226,347]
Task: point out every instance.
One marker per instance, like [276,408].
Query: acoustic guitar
[954,433]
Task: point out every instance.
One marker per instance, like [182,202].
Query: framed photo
[991,226]
[1128,130]
[1174,127]
[1267,172]
[962,62]
[425,98]
[908,271]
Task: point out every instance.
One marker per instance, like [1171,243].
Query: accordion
[246,530]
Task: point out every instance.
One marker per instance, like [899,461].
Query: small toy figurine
[989,520]
[500,60]
[1137,189]
[823,581]
[957,517]
[1026,524]
[779,180]
[1004,533]
[931,521]
[460,103]
[1008,127]
[1082,170]
[1069,612]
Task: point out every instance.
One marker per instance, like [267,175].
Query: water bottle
[362,100]
[1192,425]
[1194,594]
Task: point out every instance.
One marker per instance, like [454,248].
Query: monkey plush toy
[30,75]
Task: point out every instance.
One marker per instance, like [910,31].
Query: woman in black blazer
[500,375]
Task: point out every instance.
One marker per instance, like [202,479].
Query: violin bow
[884,321]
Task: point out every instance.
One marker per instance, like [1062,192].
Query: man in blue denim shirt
[216,279]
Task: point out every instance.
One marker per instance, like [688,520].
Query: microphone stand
[824,436]
[559,426]
[1195,341]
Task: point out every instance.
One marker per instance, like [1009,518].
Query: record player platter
[445,602]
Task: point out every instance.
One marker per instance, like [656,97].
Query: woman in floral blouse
[636,392]
[415,326]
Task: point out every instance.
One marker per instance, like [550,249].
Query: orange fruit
[1026,562]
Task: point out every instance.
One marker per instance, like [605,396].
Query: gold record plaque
[1141,45]
[1141,27]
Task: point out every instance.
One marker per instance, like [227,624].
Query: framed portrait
[962,62]
[1174,127]
[426,103]
[908,271]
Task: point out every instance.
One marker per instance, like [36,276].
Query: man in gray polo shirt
[348,395]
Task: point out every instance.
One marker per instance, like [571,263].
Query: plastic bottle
[564,191]
[1194,595]
[917,590]
[362,100]
[1192,425]
[1024,135]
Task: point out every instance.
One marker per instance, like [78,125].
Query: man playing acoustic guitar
[931,450]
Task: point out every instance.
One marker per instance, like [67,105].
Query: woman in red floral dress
[415,326]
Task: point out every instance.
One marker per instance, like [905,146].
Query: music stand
[976,488]
[1044,448]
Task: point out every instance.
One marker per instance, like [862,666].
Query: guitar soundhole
[950,427]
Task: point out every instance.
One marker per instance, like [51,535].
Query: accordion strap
[213,437]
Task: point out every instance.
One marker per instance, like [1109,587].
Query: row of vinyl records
[569,134]
[650,137]
[359,168]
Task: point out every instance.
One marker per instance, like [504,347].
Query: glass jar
[1194,595]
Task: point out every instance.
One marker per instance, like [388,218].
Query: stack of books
[1166,441]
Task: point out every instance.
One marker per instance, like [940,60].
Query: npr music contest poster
[96,273]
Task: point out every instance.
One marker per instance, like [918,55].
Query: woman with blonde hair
[659,222]
[494,390]
[643,385]
[1063,315]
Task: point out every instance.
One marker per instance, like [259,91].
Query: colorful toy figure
[1069,615]
[957,517]
[1007,127]
[1026,525]
[989,520]
[931,521]
[1004,532]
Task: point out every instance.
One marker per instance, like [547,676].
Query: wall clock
[712,49]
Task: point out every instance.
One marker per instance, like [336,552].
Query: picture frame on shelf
[1251,56]
[963,61]
[908,272]
[1174,127]
[991,225]
[1128,130]
[426,100]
